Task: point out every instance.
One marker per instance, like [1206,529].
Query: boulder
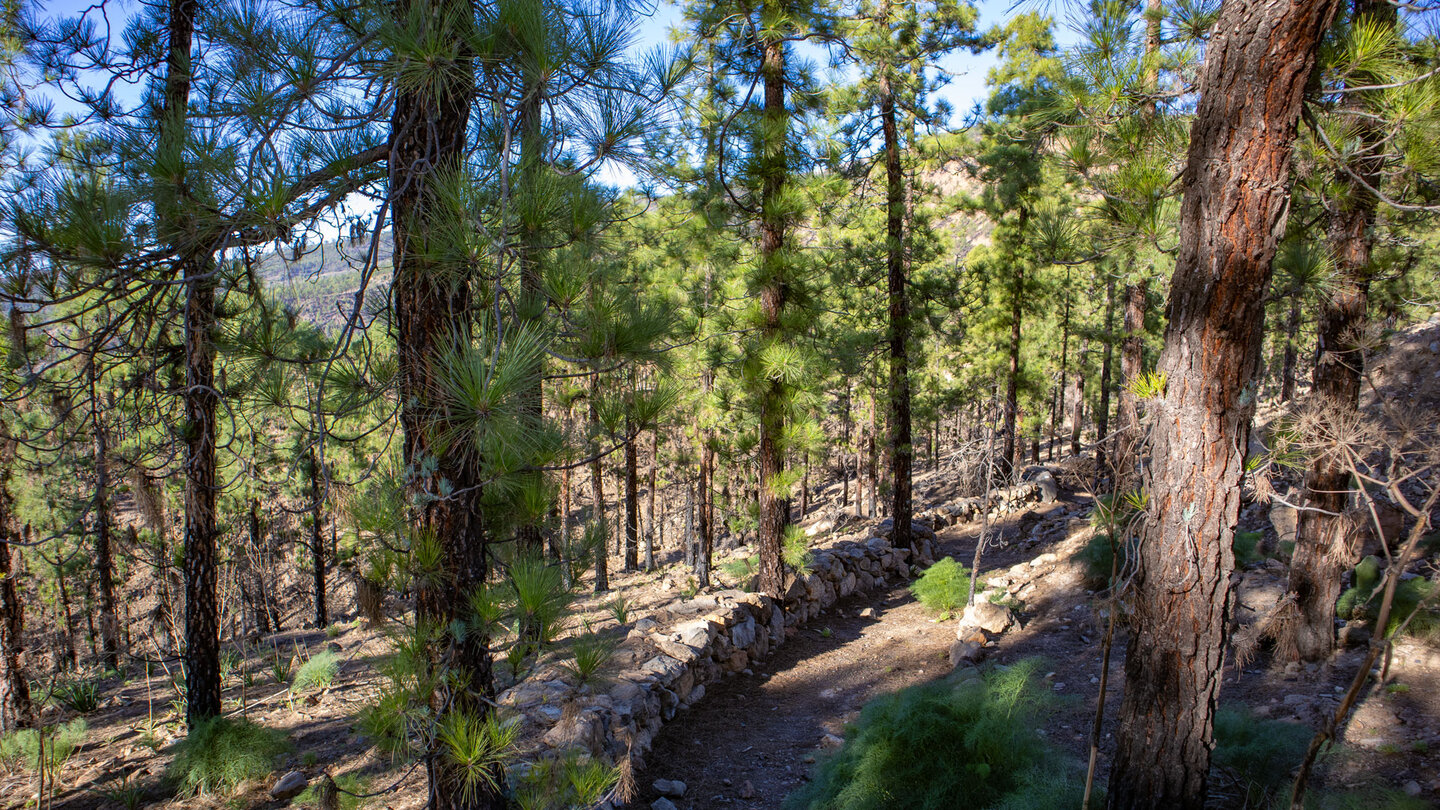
[965,653]
[1048,487]
[289,786]
[673,788]
[987,616]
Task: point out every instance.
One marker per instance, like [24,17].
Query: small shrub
[1260,753]
[23,748]
[619,609]
[317,673]
[553,784]
[334,630]
[1362,600]
[348,784]
[124,794]
[282,664]
[590,652]
[943,587]
[943,745]
[81,697]
[221,753]
[742,570]
[1099,557]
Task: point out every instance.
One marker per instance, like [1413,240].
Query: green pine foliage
[222,753]
[1414,597]
[944,745]
[944,586]
[50,747]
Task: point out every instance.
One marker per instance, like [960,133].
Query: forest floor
[754,737]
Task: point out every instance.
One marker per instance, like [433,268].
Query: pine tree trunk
[262,607]
[1292,334]
[317,545]
[901,450]
[1102,414]
[1322,548]
[650,503]
[597,494]
[1078,422]
[532,302]
[772,171]
[1236,188]
[1132,360]
[104,559]
[67,617]
[428,136]
[632,501]
[1012,383]
[16,711]
[197,271]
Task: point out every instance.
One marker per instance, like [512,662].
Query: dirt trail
[767,728]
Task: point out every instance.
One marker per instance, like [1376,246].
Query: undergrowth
[221,753]
[316,673]
[23,748]
[943,587]
[944,745]
[1258,754]
[1362,601]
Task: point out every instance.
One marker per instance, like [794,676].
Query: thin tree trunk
[104,559]
[317,545]
[1132,360]
[197,271]
[901,451]
[1292,334]
[1079,396]
[1236,191]
[597,494]
[1012,383]
[16,710]
[1102,414]
[632,500]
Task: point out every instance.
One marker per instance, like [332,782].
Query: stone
[1048,486]
[747,790]
[964,653]
[831,742]
[1412,788]
[868,613]
[662,803]
[289,786]
[584,731]
[987,616]
[1284,518]
[673,788]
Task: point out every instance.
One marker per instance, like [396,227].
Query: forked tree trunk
[1236,191]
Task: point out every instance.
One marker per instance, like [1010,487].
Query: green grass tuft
[942,745]
[316,673]
[943,587]
[23,747]
[1260,753]
[221,753]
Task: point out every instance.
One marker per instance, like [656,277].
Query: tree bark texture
[902,452]
[1236,193]
[773,299]
[16,710]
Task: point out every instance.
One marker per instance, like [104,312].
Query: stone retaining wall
[671,655]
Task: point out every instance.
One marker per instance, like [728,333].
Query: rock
[868,613]
[662,804]
[1296,700]
[289,786]
[1412,788]
[669,787]
[987,616]
[963,653]
[584,731]
[831,741]
[334,647]
[1354,633]
[747,790]
[1049,488]
[1284,518]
